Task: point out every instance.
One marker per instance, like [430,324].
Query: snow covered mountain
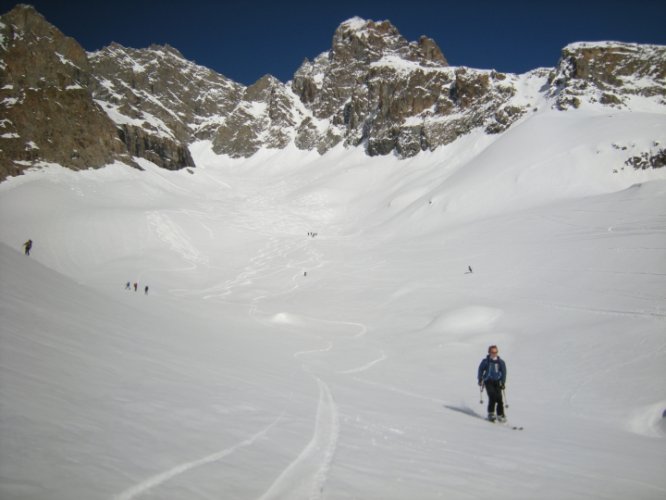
[318,306]
[372,89]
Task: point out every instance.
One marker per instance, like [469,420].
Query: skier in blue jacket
[492,375]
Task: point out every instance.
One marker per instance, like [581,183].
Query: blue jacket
[490,370]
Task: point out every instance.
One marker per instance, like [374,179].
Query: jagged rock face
[47,111]
[326,84]
[265,116]
[158,90]
[608,73]
[375,87]
[160,101]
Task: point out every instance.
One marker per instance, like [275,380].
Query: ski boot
[501,419]
[492,417]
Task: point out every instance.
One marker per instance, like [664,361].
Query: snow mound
[286,319]
[471,319]
[650,420]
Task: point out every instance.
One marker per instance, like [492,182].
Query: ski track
[596,310]
[401,391]
[174,236]
[306,475]
[362,328]
[366,366]
[158,479]
[325,349]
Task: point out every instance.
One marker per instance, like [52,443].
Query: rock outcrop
[159,98]
[375,88]
[265,116]
[609,73]
[47,110]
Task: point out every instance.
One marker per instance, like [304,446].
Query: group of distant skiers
[27,246]
[491,375]
[128,286]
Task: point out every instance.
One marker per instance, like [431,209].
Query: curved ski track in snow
[162,477]
[362,328]
[366,366]
[306,475]
[325,349]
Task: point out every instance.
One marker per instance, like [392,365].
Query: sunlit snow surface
[238,376]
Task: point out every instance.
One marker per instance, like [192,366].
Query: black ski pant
[494,397]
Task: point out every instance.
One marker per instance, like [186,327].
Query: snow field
[238,376]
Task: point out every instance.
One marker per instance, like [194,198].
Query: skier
[136,285]
[127,286]
[492,375]
[27,245]
[145,290]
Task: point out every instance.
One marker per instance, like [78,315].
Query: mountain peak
[367,30]
[361,41]
[365,26]
[24,8]
[354,23]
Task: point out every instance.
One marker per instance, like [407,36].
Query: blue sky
[245,40]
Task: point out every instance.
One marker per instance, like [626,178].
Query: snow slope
[238,376]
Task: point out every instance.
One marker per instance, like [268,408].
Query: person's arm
[482,369]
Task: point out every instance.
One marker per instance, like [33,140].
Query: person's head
[493,350]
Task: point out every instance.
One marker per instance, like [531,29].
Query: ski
[513,427]
[507,425]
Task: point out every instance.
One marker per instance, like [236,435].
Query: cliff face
[160,100]
[47,109]
[372,89]
[609,73]
[375,88]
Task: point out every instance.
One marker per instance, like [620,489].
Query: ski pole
[481,395]
[506,403]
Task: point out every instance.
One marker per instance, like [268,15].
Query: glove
[501,385]
[480,383]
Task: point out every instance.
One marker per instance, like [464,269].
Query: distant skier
[492,375]
[128,286]
[470,269]
[145,290]
[27,246]
[136,285]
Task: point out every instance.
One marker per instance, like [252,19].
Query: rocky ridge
[46,105]
[372,89]
[609,73]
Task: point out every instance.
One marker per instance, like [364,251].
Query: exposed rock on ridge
[47,110]
[158,91]
[265,116]
[376,88]
[610,73]
[49,113]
